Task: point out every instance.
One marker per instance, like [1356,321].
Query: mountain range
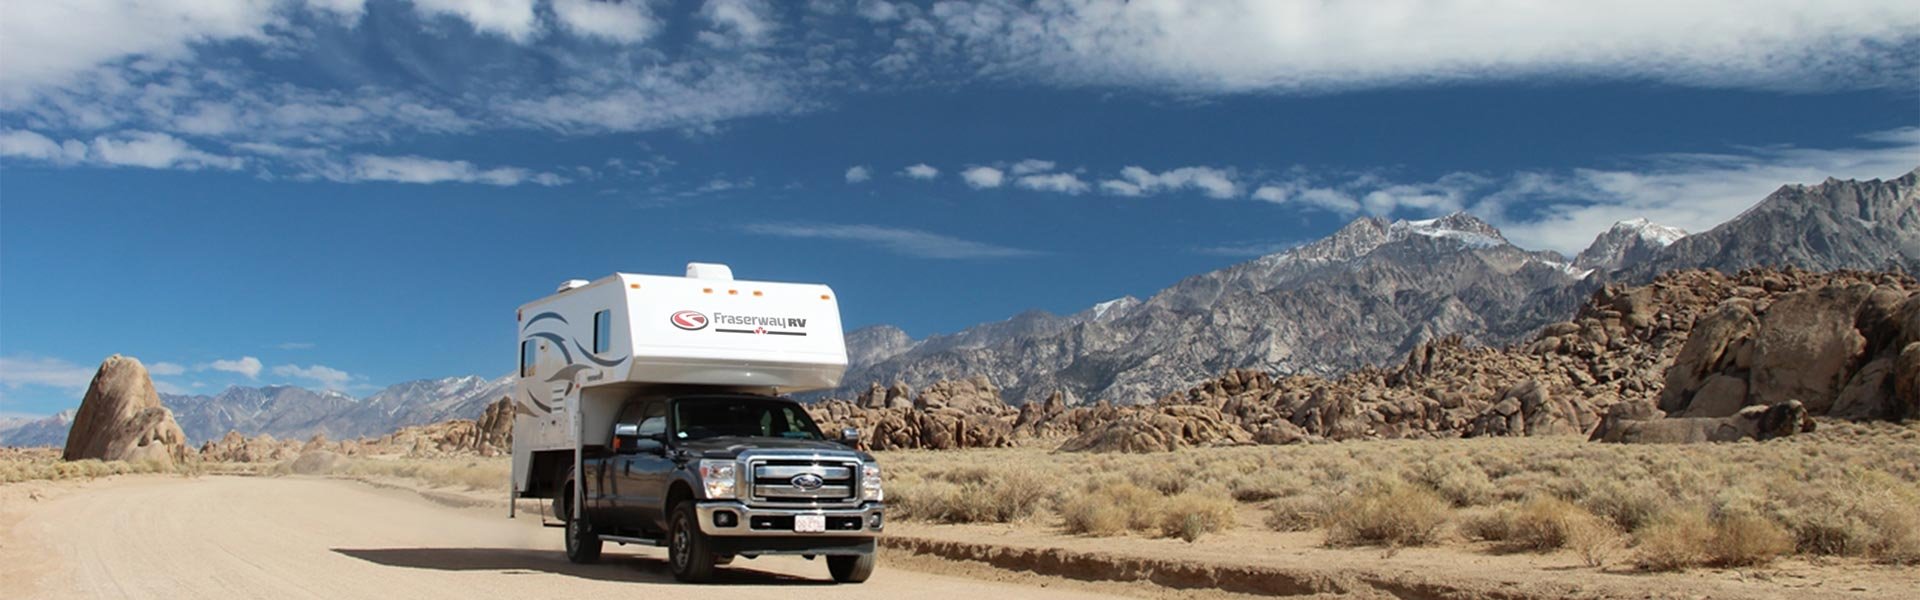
[1364,295]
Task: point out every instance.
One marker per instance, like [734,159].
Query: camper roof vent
[709,271]
[571,284]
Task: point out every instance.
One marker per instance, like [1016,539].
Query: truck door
[644,475]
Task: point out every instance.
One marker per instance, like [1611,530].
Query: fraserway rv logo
[693,320]
[690,320]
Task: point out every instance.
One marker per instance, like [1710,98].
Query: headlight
[870,483]
[721,477]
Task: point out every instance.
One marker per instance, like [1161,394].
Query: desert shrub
[1390,513]
[1676,539]
[1493,524]
[921,500]
[1296,513]
[1189,516]
[1265,485]
[1629,506]
[1459,481]
[1546,523]
[1745,539]
[1593,539]
[1090,515]
[1689,537]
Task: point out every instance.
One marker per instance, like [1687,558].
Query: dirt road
[258,537]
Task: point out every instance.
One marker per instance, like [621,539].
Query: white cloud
[417,169]
[983,177]
[165,368]
[346,12]
[1694,192]
[16,372]
[1064,183]
[245,365]
[155,151]
[738,22]
[1031,166]
[328,377]
[1294,192]
[878,11]
[858,174]
[906,242]
[920,171]
[625,22]
[1136,181]
[51,43]
[144,149]
[1211,46]
[511,18]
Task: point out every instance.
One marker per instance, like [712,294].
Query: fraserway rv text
[649,410]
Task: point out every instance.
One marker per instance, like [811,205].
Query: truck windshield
[719,416]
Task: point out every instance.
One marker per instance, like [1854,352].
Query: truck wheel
[687,548]
[850,569]
[583,545]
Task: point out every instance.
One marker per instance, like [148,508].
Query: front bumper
[778,522]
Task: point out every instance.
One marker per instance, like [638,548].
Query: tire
[583,545]
[688,551]
[850,569]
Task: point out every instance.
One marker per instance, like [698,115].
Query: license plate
[810,524]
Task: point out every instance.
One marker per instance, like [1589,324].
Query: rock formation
[121,418]
[1613,364]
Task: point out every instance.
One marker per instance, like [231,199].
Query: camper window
[529,354]
[602,329]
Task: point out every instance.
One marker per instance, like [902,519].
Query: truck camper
[651,409]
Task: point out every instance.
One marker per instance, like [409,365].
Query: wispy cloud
[144,149]
[294,346]
[326,377]
[1563,209]
[23,371]
[163,368]
[245,365]
[983,177]
[1062,183]
[1228,46]
[922,171]
[858,174]
[905,242]
[1137,181]
[1246,249]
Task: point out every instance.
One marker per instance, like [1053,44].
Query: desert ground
[1825,515]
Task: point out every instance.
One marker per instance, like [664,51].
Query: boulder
[1752,423]
[493,432]
[1805,344]
[1706,352]
[121,418]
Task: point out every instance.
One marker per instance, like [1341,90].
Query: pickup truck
[718,476]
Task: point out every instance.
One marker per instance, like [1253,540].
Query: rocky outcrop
[493,432]
[946,415]
[1759,423]
[1836,348]
[121,418]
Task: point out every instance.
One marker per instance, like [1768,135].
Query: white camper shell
[591,346]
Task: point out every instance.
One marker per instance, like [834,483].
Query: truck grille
[773,481]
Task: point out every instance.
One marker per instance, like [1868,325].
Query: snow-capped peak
[1117,304]
[1459,227]
[1650,231]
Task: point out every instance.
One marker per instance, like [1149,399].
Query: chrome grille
[772,481]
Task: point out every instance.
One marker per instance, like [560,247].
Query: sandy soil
[1252,559]
[257,537]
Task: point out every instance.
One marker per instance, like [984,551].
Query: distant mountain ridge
[1376,288]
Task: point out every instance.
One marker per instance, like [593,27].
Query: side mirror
[850,436]
[626,438]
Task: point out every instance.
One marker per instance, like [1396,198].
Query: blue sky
[345,194]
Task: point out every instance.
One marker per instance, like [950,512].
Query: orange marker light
[756,292]
[706,290]
[733,292]
[634,285]
[825,297]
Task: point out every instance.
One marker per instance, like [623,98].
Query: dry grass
[1846,490]
[1389,513]
[1196,513]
